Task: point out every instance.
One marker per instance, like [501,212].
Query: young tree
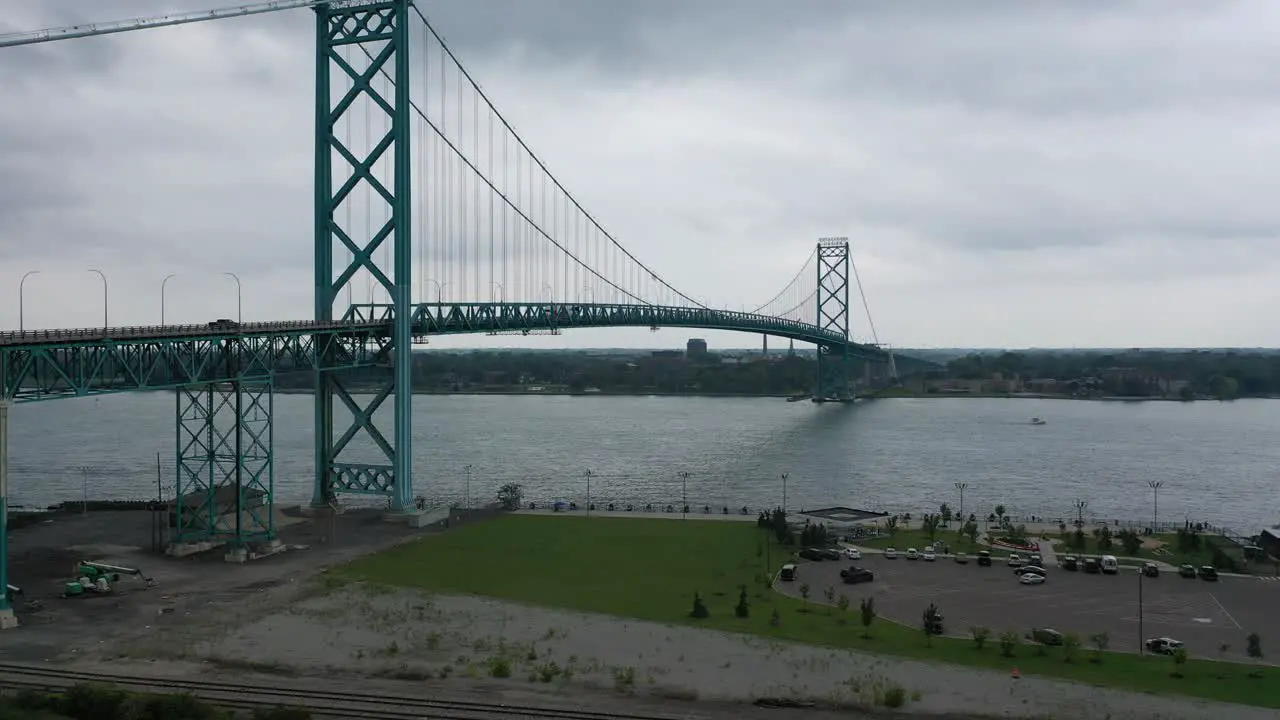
[699,608]
[1009,641]
[868,609]
[830,594]
[1100,642]
[891,525]
[1253,648]
[980,636]
[945,511]
[971,532]
[1130,541]
[1000,514]
[929,524]
[804,592]
[842,605]
[1070,647]
[510,496]
[1179,660]
[743,608]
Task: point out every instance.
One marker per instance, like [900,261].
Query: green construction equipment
[100,578]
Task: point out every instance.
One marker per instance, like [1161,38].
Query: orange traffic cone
[1015,674]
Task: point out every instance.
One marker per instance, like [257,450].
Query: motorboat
[1038,421]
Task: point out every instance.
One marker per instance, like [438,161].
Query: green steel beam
[381,31]
[833,318]
[529,318]
[59,368]
[225,464]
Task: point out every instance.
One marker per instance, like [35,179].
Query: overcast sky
[1011,174]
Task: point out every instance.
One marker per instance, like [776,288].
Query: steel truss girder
[380,31]
[833,317]
[527,318]
[48,372]
[225,463]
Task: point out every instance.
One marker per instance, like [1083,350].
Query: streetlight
[163,283]
[439,289]
[501,294]
[586,289]
[550,294]
[684,494]
[1080,506]
[21,284]
[105,323]
[962,486]
[784,492]
[84,473]
[588,493]
[1155,486]
[233,276]
[466,502]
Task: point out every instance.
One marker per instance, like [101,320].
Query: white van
[1110,565]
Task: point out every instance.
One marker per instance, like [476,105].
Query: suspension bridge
[432,217]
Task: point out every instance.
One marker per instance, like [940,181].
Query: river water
[1218,461]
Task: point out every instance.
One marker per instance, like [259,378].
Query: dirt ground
[281,617]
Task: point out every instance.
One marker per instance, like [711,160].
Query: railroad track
[323,703]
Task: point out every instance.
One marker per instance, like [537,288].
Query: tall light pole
[501,294]
[684,495]
[84,473]
[466,502]
[588,493]
[1141,642]
[784,493]
[439,289]
[1080,506]
[6,613]
[163,283]
[1155,486]
[233,276]
[105,314]
[962,486]
[21,285]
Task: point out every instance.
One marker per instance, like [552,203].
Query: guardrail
[144,332]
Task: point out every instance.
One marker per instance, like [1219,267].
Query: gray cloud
[988,159]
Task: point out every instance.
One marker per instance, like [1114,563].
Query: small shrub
[499,667]
[895,696]
[804,592]
[699,608]
[1100,642]
[1009,642]
[282,713]
[980,636]
[867,608]
[775,619]
[1070,647]
[743,608]
[830,595]
[842,604]
[1179,660]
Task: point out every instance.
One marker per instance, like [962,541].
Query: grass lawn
[650,568]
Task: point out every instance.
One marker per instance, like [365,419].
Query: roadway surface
[163,332]
[1204,615]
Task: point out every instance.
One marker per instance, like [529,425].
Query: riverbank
[553,393]
[897,393]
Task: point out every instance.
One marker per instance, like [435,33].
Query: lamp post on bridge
[586,289]
[1155,486]
[962,486]
[21,287]
[239,315]
[549,293]
[163,283]
[105,300]
[439,289]
[502,292]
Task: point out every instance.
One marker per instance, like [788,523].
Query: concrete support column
[7,619]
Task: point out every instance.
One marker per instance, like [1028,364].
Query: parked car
[1031,579]
[1015,560]
[1036,560]
[1208,572]
[890,553]
[854,574]
[913,554]
[852,553]
[830,554]
[1151,570]
[1045,636]
[984,558]
[788,572]
[812,554]
[1110,564]
[1029,570]
[929,555]
[1091,566]
[1187,571]
[1163,645]
[1070,563]
[961,558]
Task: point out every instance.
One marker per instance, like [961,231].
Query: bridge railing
[138,332]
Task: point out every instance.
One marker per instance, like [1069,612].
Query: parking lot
[1204,615]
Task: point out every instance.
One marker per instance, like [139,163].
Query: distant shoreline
[888,396]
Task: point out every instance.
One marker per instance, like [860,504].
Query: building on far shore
[696,347]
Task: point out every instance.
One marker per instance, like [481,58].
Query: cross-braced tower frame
[833,315]
[372,36]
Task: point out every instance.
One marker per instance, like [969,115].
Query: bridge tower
[833,314]
[376,31]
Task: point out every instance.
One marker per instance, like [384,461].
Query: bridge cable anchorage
[85,30]
[639,271]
